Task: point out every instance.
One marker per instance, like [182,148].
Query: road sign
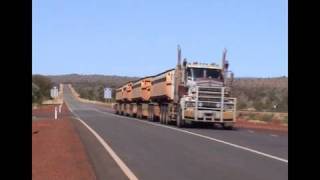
[54,92]
[107,93]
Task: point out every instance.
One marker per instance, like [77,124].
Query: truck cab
[207,98]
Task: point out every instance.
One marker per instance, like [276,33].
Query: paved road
[154,151]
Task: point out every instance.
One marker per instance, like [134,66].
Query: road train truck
[189,93]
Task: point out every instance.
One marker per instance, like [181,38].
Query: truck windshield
[213,73]
[195,73]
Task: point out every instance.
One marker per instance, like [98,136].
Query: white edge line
[206,137]
[115,157]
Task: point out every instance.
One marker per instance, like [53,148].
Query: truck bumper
[209,116]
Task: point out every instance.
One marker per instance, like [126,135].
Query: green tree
[36,97]
[41,86]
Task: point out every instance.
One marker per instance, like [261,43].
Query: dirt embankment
[261,125]
[263,120]
[57,152]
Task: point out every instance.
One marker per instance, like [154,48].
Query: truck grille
[210,89]
[213,100]
[211,97]
[207,105]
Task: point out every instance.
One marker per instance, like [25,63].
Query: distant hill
[91,86]
[275,82]
[258,93]
[105,80]
[116,81]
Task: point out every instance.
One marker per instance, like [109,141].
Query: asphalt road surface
[154,151]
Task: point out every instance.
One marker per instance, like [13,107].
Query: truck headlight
[200,104]
[190,104]
[193,89]
[218,105]
[228,106]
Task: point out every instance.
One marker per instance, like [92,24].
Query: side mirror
[184,62]
[182,90]
[232,77]
[229,78]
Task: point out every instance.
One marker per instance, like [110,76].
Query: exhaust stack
[178,77]
[225,65]
[179,56]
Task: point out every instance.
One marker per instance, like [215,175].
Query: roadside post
[55,113]
[60,106]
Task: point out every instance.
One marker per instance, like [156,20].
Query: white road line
[250,131]
[69,107]
[274,135]
[206,137]
[115,157]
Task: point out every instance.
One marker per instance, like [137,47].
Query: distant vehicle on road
[191,92]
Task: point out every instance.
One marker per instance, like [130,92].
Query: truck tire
[151,114]
[180,121]
[230,127]
[161,115]
[152,117]
[139,112]
[167,117]
[164,114]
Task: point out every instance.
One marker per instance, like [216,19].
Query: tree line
[260,94]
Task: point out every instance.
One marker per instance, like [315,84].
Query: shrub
[267,117]
[41,86]
[285,119]
[252,116]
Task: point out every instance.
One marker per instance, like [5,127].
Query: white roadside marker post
[55,113]
[60,106]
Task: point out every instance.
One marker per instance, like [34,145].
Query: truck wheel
[161,115]
[191,124]
[229,127]
[167,117]
[139,112]
[180,121]
[151,115]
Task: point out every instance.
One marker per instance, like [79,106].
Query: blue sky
[140,37]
